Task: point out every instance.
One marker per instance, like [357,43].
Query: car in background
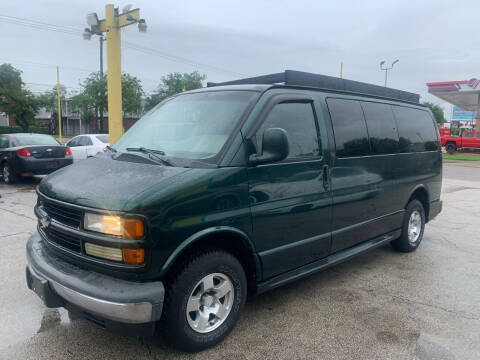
[85,146]
[31,154]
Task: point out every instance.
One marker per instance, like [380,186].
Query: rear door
[290,202]
[362,180]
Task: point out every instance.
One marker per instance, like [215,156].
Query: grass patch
[461,157]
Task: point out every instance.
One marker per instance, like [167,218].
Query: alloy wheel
[210,302]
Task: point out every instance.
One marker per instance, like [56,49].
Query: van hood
[102,182]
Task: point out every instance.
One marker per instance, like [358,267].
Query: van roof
[296,79]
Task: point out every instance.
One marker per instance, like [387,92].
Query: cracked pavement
[381,305]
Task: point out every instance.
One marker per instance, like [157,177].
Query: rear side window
[35,139]
[350,130]
[478,135]
[469,134]
[298,121]
[103,138]
[381,127]
[416,130]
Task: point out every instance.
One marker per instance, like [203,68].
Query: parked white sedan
[84,146]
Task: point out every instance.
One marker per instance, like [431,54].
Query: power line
[45,65]
[146,50]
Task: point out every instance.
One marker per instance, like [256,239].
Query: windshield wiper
[110,148]
[156,154]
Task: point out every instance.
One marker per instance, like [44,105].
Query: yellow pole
[341,70]
[114,75]
[59,108]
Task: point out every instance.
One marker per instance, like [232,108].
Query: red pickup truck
[469,139]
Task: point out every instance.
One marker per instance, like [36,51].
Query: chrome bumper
[59,283]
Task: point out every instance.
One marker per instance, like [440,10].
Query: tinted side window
[381,127]
[298,120]
[416,130]
[478,135]
[74,142]
[351,137]
[469,134]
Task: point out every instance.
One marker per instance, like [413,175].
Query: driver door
[290,199]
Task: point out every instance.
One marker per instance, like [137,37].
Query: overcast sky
[434,40]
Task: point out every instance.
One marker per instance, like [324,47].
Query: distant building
[464,95]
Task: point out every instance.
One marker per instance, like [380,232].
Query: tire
[9,177]
[450,148]
[190,287]
[412,228]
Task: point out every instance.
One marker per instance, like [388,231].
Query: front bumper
[41,166]
[113,303]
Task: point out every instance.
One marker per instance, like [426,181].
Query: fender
[419,186]
[207,232]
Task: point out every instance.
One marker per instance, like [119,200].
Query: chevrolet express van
[228,191]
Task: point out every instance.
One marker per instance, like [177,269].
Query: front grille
[62,239]
[63,214]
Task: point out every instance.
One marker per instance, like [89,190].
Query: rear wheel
[412,228]
[8,175]
[204,300]
[450,148]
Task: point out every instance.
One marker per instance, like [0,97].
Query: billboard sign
[459,114]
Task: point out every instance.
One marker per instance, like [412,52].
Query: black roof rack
[300,78]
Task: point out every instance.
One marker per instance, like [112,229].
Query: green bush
[18,129]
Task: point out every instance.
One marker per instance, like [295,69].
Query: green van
[229,191]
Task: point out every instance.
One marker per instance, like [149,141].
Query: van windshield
[192,126]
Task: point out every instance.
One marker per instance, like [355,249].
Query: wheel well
[229,242]
[421,195]
[451,143]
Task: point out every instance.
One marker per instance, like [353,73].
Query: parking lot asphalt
[381,305]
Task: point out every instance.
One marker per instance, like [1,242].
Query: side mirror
[274,147]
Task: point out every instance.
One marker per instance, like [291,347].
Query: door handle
[326,177]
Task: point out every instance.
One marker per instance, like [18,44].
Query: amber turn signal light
[133,256]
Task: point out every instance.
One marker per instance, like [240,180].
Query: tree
[15,99]
[437,112]
[48,101]
[94,100]
[174,83]
[132,94]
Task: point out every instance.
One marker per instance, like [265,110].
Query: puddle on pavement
[451,188]
[54,317]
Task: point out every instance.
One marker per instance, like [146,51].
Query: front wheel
[412,228]
[204,300]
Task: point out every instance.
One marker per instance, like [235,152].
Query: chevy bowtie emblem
[45,221]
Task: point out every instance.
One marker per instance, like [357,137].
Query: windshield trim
[216,159]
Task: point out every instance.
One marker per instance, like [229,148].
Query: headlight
[130,228]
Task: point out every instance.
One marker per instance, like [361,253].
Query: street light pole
[111,27]
[382,63]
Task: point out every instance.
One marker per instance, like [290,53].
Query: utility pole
[59,109]
[382,63]
[102,39]
[111,27]
[341,70]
